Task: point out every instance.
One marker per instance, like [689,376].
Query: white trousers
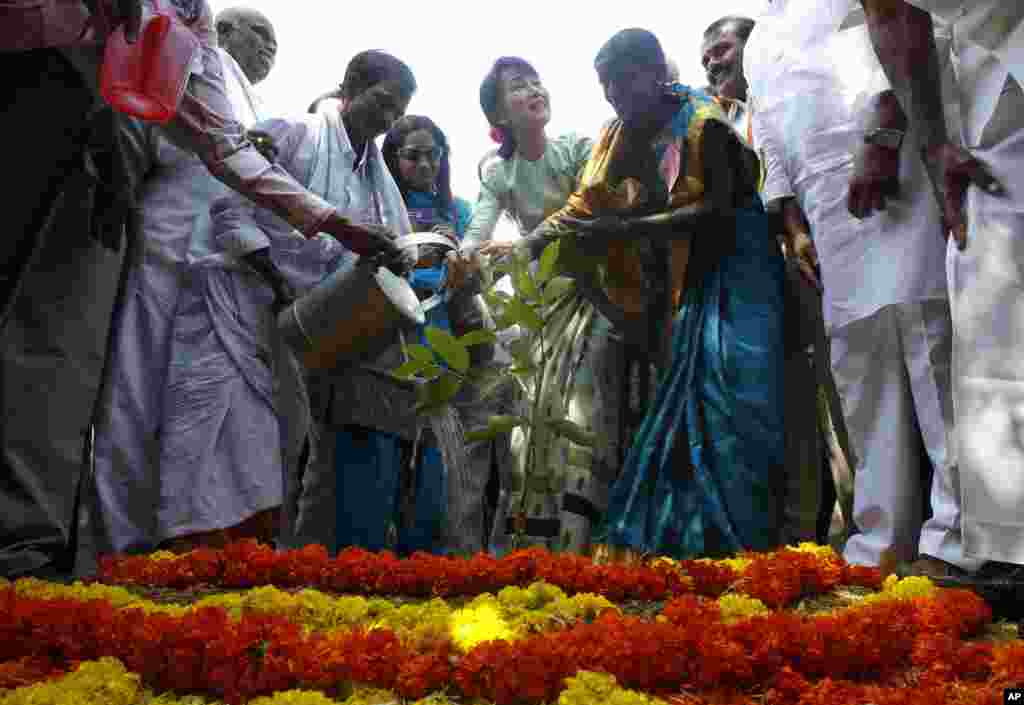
[987,281]
[893,373]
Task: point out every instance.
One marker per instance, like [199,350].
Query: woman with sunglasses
[416,152]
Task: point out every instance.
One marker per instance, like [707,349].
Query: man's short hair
[743,26]
[368,68]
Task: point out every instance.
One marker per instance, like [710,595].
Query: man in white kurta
[885,296]
[985,271]
[174,201]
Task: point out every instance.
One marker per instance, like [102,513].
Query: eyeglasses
[433,154]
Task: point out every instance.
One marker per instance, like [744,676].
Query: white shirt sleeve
[768,144]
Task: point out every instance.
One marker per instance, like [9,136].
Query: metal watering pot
[351,316]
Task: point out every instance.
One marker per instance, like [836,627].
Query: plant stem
[531,457]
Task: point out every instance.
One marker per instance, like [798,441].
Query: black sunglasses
[413,154]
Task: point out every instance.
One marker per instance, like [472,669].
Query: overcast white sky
[450,46]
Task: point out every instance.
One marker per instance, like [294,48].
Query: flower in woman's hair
[497,134]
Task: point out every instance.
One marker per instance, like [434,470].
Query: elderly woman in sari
[668,205]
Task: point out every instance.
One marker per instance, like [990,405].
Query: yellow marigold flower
[119,597]
[542,593]
[590,605]
[163,556]
[364,695]
[295,697]
[896,589]
[737,564]
[907,588]
[440,699]
[418,624]
[591,688]
[353,610]
[230,602]
[513,596]
[102,682]
[735,606]
[150,698]
[819,551]
[664,560]
[474,625]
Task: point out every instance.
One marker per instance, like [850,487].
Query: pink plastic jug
[147,79]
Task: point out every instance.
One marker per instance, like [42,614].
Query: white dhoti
[987,284]
[127,445]
[220,455]
[127,437]
[893,373]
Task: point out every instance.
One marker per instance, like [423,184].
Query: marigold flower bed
[794,627]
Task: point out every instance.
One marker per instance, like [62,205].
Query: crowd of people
[802,323]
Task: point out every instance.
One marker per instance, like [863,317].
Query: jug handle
[103,24]
[98,20]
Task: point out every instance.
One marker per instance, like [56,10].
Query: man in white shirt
[819,117]
[980,180]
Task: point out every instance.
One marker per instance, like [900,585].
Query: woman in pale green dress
[528,178]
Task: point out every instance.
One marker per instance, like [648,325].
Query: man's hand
[116,13]
[497,250]
[876,177]
[953,170]
[461,268]
[365,240]
[801,248]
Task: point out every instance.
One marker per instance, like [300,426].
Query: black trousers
[53,343]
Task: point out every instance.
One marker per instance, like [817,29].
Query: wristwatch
[885,137]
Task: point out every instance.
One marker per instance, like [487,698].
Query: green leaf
[525,286]
[431,371]
[496,297]
[522,355]
[436,393]
[451,350]
[504,321]
[556,288]
[484,336]
[410,369]
[548,262]
[487,434]
[573,431]
[524,314]
[419,352]
[502,423]
[526,371]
